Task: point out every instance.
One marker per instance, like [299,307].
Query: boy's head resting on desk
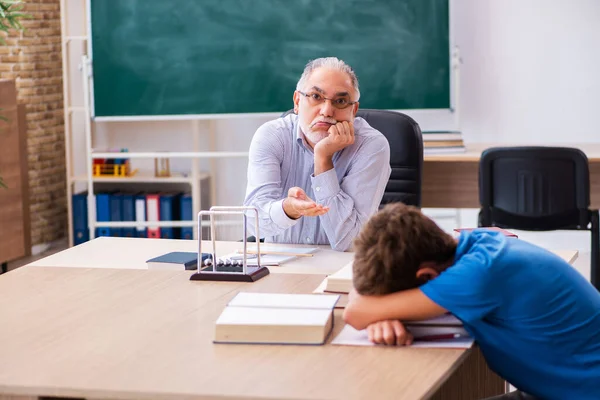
[399,248]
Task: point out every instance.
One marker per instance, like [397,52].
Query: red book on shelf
[489,228]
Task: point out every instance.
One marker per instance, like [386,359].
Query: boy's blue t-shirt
[535,318]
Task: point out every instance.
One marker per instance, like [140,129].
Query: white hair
[332,63]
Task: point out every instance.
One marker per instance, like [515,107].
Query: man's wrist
[323,163]
[288,210]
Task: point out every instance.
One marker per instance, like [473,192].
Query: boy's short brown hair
[392,245]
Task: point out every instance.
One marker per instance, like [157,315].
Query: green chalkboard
[161,57]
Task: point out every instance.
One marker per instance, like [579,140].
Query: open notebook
[276,319]
[271,255]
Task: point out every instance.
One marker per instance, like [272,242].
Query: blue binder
[167,202]
[185,214]
[102,213]
[116,215]
[128,214]
[81,231]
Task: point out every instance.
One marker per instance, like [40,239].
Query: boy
[535,318]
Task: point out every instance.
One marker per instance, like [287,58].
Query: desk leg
[473,380]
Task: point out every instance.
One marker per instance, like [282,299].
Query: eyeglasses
[315,98]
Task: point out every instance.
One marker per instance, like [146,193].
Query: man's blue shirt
[536,319]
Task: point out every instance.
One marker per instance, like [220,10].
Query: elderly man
[316,176]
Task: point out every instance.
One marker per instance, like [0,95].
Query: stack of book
[442,142]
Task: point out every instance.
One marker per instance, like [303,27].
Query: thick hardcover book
[269,318]
[340,281]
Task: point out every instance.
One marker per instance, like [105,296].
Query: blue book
[116,214]
[177,260]
[102,213]
[81,231]
[128,214]
[185,214]
[167,202]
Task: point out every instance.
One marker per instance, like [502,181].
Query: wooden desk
[122,334]
[452,180]
[132,253]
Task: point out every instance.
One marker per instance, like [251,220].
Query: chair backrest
[406,154]
[534,188]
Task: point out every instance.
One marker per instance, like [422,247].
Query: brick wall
[34,59]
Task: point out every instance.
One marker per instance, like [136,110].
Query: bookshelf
[82,137]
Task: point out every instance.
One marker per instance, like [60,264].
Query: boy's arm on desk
[407,305]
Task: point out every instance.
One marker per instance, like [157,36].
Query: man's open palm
[298,204]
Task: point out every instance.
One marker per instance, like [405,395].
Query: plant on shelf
[10,18]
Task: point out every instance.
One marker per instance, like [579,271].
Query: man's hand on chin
[341,135]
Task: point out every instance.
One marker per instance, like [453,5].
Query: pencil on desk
[276,253]
[446,336]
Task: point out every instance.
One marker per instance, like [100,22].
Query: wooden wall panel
[455,184]
[15,233]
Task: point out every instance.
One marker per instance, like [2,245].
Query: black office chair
[406,154]
[539,189]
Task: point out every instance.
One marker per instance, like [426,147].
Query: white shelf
[160,224]
[164,224]
[140,178]
[172,154]
[81,77]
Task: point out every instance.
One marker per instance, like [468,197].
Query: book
[270,318]
[445,331]
[433,136]
[177,260]
[352,337]
[266,249]
[340,281]
[266,260]
[443,143]
[270,255]
[444,150]
[457,231]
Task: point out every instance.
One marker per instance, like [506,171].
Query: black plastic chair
[406,154]
[539,189]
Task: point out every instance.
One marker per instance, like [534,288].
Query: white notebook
[267,260]
[276,319]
